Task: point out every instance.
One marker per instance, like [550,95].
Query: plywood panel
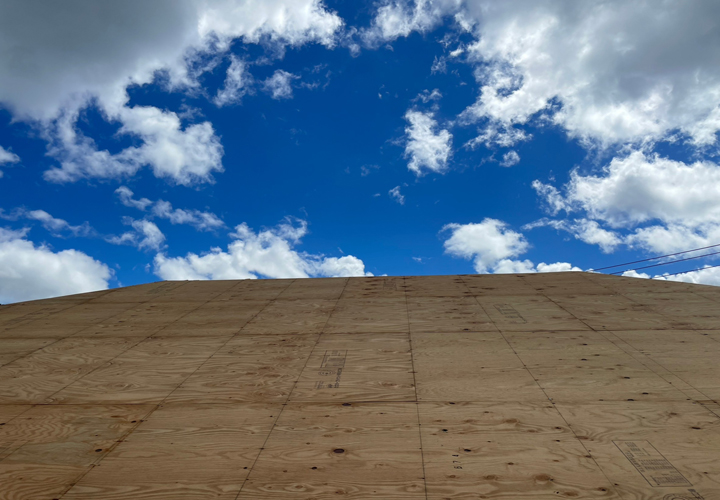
[368,316]
[187,451]
[312,289]
[249,368]
[147,373]
[291,316]
[506,450]
[51,447]
[356,450]
[436,286]
[359,367]
[523,313]
[681,432]
[14,348]
[39,375]
[563,385]
[613,312]
[445,314]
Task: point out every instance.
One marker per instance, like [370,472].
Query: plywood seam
[654,309]
[645,357]
[140,341]
[589,454]
[601,333]
[287,400]
[417,405]
[152,410]
[223,344]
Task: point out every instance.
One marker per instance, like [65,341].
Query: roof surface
[567,385]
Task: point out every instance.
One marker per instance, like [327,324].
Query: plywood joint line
[287,399]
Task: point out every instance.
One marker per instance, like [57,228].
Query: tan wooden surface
[527,387]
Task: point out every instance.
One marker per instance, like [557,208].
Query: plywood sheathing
[565,385]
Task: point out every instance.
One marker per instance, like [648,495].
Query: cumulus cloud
[126,198]
[268,253]
[145,235]
[647,201]
[202,221]
[30,272]
[510,158]
[587,231]
[182,156]
[638,188]
[237,81]
[427,96]
[427,148]
[498,135]
[50,223]
[605,72]
[494,247]
[279,85]
[76,61]
[397,195]
[708,275]
[8,156]
[395,19]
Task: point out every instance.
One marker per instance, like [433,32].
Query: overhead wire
[692,270]
[655,258]
[667,263]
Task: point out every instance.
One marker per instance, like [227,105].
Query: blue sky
[219,139]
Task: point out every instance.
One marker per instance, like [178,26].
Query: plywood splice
[509,387]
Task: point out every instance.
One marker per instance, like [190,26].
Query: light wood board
[514,387]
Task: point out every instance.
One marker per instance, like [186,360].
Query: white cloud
[426,147]
[493,247]
[183,156]
[8,156]
[397,195]
[279,85]
[78,57]
[638,188]
[237,80]
[510,159]
[709,275]
[609,72]
[439,65]
[202,221]
[426,96]
[486,243]
[126,198]
[268,253]
[674,237]
[648,202]
[57,62]
[50,223]
[34,272]
[145,235]
[653,203]
[549,193]
[55,225]
[498,135]
[395,19]
[588,231]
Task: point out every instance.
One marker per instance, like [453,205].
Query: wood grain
[435,387]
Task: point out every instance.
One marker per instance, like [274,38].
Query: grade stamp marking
[510,313]
[331,368]
[654,467]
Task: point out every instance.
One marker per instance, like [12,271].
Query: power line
[656,258]
[667,263]
[692,270]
